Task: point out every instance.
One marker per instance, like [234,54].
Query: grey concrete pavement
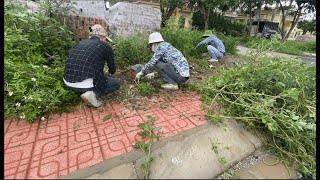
[202,152]
[306,59]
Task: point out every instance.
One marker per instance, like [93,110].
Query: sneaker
[90,98]
[170,86]
[212,60]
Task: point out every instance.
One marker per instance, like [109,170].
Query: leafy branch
[149,134]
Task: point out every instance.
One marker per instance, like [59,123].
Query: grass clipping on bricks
[276,97]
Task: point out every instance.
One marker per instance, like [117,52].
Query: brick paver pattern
[66,142]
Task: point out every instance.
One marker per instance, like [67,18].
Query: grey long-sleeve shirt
[213,41]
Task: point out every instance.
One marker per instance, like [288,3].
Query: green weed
[36,48]
[149,134]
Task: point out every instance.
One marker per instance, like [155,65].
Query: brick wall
[80,25]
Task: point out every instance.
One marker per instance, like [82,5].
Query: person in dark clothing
[84,68]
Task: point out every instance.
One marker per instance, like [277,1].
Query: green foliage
[132,50]
[56,9]
[287,47]
[149,134]
[146,89]
[167,7]
[36,48]
[185,40]
[275,97]
[219,23]
[182,39]
[307,26]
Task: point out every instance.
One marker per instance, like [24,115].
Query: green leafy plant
[106,118]
[149,135]
[275,97]
[36,48]
[132,50]
[222,160]
[145,88]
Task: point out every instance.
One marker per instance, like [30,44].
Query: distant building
[271,14]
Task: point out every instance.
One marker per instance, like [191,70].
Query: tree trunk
[294,22]
[205,14]
[258,21]
[166,14]
[250,20]
[283,19]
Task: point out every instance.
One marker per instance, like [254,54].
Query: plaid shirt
[87,59]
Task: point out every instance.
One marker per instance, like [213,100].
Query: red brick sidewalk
[70,141]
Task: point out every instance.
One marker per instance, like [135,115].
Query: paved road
[307,59]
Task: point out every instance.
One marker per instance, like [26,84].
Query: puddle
[259,166]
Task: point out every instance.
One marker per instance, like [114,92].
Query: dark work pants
[168,73]
[111,86]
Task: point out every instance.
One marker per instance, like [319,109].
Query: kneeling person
[170,63]
[84,69]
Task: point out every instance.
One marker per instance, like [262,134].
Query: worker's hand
[139,74]
[110,75]
[150,75]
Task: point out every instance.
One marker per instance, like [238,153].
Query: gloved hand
[150,75]
[139,74]
[110,75]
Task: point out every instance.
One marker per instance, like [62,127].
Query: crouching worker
[84,69]
[169,62]
[215,46]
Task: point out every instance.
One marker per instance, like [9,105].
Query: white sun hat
[155,37]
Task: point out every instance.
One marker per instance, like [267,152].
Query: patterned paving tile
[66,142]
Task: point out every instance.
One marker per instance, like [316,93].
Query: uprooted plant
[275,97]
[149,134]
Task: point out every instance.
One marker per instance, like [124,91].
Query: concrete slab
[202,154]
[124,171]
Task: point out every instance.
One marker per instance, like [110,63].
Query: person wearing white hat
[84,68]
[170,63]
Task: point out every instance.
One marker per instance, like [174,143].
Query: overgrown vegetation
[149,134]
[275,97]
[36,48]
[287,47]
[220,23]
[134,49]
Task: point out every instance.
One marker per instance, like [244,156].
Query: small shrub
[36,48]
[146,89]
[132,50]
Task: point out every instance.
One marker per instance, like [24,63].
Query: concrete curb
[188,155]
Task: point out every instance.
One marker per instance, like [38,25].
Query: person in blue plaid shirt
[215,46]
[170,63]
[84,68]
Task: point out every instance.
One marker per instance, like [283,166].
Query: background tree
[167,7]
[306,26]
[246,7]
[305,6]
[205,7]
